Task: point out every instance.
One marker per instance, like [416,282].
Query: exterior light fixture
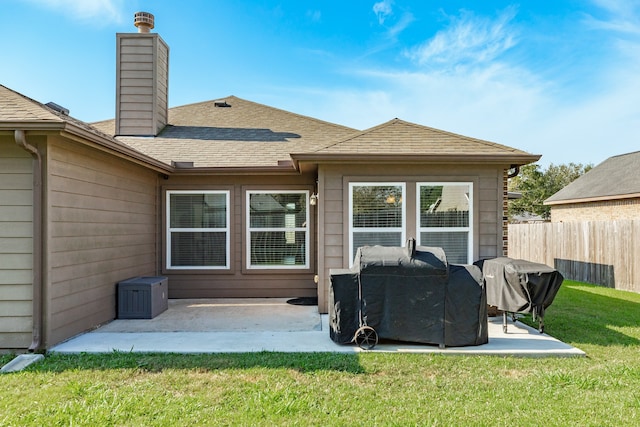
[313,200]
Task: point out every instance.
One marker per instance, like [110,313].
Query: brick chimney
[142,77]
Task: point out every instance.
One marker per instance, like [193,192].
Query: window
[278,229]
[198,230]
[445,218]
[376,215]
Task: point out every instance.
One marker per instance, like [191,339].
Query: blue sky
[558,78]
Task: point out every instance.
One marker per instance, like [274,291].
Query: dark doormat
[303,301]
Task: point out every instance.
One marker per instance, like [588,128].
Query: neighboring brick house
[610,191]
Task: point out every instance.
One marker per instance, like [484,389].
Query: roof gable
[404,139]
[617,177]
[400,137]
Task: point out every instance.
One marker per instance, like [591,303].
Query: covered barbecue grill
[407,294]
[519,286]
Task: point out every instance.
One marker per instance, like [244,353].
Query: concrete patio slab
[224,315]
[273,325]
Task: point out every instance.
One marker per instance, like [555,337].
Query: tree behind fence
[606,253]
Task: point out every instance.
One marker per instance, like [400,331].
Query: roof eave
[509,159]
[84,136]
[289,169]
[592,199]
[32,125]
[121,150]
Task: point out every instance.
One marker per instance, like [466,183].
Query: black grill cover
[406,294]
[520,286]
[344,306]
[466,307]
[403,296]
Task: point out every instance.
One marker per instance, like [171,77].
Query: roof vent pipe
[143,21]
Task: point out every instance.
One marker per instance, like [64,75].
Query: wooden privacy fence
[606,253]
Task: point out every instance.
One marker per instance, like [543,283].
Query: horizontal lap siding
[142,84]
[16,246]
[238,282]
[334,204]
[102,229]
[162,79]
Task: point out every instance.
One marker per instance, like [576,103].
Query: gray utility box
[142,297]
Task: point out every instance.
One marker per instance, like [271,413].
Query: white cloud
[469,39]
[314,15]
[383,9]
[106,10]
[405,20]
[622,17]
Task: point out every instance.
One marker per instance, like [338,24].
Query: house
[526,218]
[610,191]
[227,198]
[594,228]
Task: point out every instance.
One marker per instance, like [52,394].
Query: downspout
[38,283]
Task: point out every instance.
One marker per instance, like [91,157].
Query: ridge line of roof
[359,134]
[225,98]
[470,138]
[419,126]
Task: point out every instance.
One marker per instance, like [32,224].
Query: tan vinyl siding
[333,183]
[142,80]
[238,282]
[102,229]
[162,82]
[16,245]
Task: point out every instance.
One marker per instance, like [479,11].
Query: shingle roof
[248,134]
[15,107]
[244,134]
[21,112]
[400,138]
[617,177]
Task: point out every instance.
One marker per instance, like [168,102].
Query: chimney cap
[143,21]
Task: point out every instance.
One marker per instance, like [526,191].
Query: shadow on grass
[589,314]
[157,362]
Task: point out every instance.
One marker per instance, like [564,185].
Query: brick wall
[505,214]
[597,211]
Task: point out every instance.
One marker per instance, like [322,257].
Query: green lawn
[602,389]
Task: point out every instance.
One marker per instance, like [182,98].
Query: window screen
[198,230]
[278,235]
[444,218]
[376,214]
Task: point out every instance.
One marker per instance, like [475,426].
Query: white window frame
[226,229]
[306,229]
[468,229]
[401,229]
